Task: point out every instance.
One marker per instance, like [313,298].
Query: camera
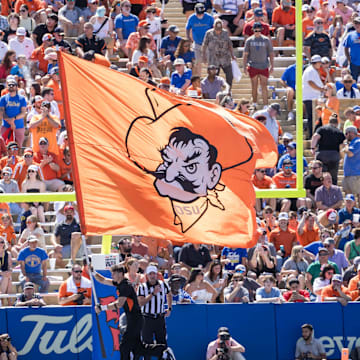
[80,299]
[224,337]
[222,354]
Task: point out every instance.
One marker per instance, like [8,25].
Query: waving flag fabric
[151,163]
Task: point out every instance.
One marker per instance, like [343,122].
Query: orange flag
[148,162]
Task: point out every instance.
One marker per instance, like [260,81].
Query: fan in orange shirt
[7,229]
[194,90]
[307,231]
[21,167]
[332,104]
[283,18]
[308,21]
[12,158]
[54,83]
[326,14]
[39,53]
[4,207]
[33,5]
[336,291]
[262,181]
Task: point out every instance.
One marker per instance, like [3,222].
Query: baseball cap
[292,145]
[352,129]
[329,240]
[51,56]
[7,170]
[179,61]
[337,277]
[315,59]
[331,215]
[60,30]
[47,37]
[286,2]
[173,28]
[276,107]
[305,7]
[283,216]
[32,238]
[33,167]
[350,197]
[53,16]
[223,329]
[325,60]
[21,31]
[200,6]
[165,80]
[28,151]
[68,207]
[357,20]
[287,162]
[323,250]
[151,268]
[257,25]
[54,70]
[29,285]
[38,98]
[143,23]
[143,58]
[43,139]
[240,268]
[287,136]
[212,67]
[258,12]
[356,108]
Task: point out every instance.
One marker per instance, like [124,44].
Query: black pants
[131,341]
[309,115]
[330,160]
[154,328]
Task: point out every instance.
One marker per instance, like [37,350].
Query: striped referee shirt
[156,305]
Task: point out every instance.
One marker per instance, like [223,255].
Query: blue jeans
[355,71]
[36,279]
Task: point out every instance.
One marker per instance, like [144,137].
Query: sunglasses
[43,143]
[317,167]
[240,271]
[77,271]
[323,255]
[13,148]
[127,6]
[268,212]
[28,156]
[255,31]
[329,273]
[347,81]
[23,10]
[319,23]
[2,242]
[11,85]
[31,171]
[287,167]
[262,171]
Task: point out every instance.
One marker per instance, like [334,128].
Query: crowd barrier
[267,331]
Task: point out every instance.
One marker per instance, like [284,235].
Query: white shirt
[311,74]
[22,48]
[138,53]
[271,124]
[344,94]
[3,49]
[232,5]
[54,109]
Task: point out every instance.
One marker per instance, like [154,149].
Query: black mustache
[185,183]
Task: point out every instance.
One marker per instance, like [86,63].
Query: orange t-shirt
[281,181]
[309,237]
[47,172]
[265,183]
[4,161]
[8,234]
[33,5]
[333,103]
[323,74]
[286,238]
[154,244]
[4,209]
[354,294]
[353,283]
[293,224]
[64,293]
[307,26]
[64,168]
[282,17]
[328,291]
[39,55]
[45,129]
[57,96]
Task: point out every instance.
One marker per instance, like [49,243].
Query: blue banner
[351,316]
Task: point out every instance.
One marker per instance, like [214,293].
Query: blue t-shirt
[182,295]
[352,42]
[314,247]
[13,107]
[170,46]
[289,76]
[281,149]
[274,293]
[128,24]
[352,164]
[32,259]
[188,56]
[234,255]
[179,80]
[16,70]
[293,159]
[199,26]
[345,215]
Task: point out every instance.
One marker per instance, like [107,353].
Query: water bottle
[166,274]
[273,93]
[13,159]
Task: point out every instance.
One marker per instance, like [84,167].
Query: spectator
[217,50]
[9,185]
[307,345]
[328,196]
[33,263]
[258,18]
[286,139]
[66,167]
[336,31]
[344,11]
[196,27]
[19,69]
[243,106]
[261,261]
[336,291]
[296,264]
[170,43]
[7,64]
[236,292]
[194,255]
[318,41]
[351,271]
[335,255]
[351,119]
[213,84]
[179,295]
[42,29]
[217,278]
[283,19]
[352,248]
[233,347]
[52,94]
[314,269]
[139,247]
[353,283]
[307,231]
[90,11]
[68,234]
[76,290]
[258,55]
[160,251]
[199,290]
[12,110]
[5,269]
[7,348]
[248,281]
[184,52]
[291,154]
[59,41]
[348,91]
[7,231]
[32,228]
[312,87]
[267,225]
[71,19]
[343,235]
[20,170]
[330,104]
[295,294]
[49,166]
[325,145]
[269,293]
[26,20]
[21,44]
[88,41]
[3,45]
[154,18]
[29,298]
[133,275]
[142,64]
[352,50]
[180,78]
[39,63]
[271,112]
[327,75]
[313,180]
[231,13]
[262,181]
[327,272]
[347,212]
[308,21]
[288,81]
[194,90]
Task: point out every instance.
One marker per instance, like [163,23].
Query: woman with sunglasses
[327,272]
[217,278]
[5,269]
[115,10]
[184,52]
[26,21]
[261,261]
[243,107]
[32,228]
[200,291]
[34,184]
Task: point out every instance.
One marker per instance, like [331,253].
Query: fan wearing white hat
[181,77]
[21,44]
[336,291]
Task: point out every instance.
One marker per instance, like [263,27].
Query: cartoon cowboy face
[189,168]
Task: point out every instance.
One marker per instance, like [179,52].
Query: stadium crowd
[308,249]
